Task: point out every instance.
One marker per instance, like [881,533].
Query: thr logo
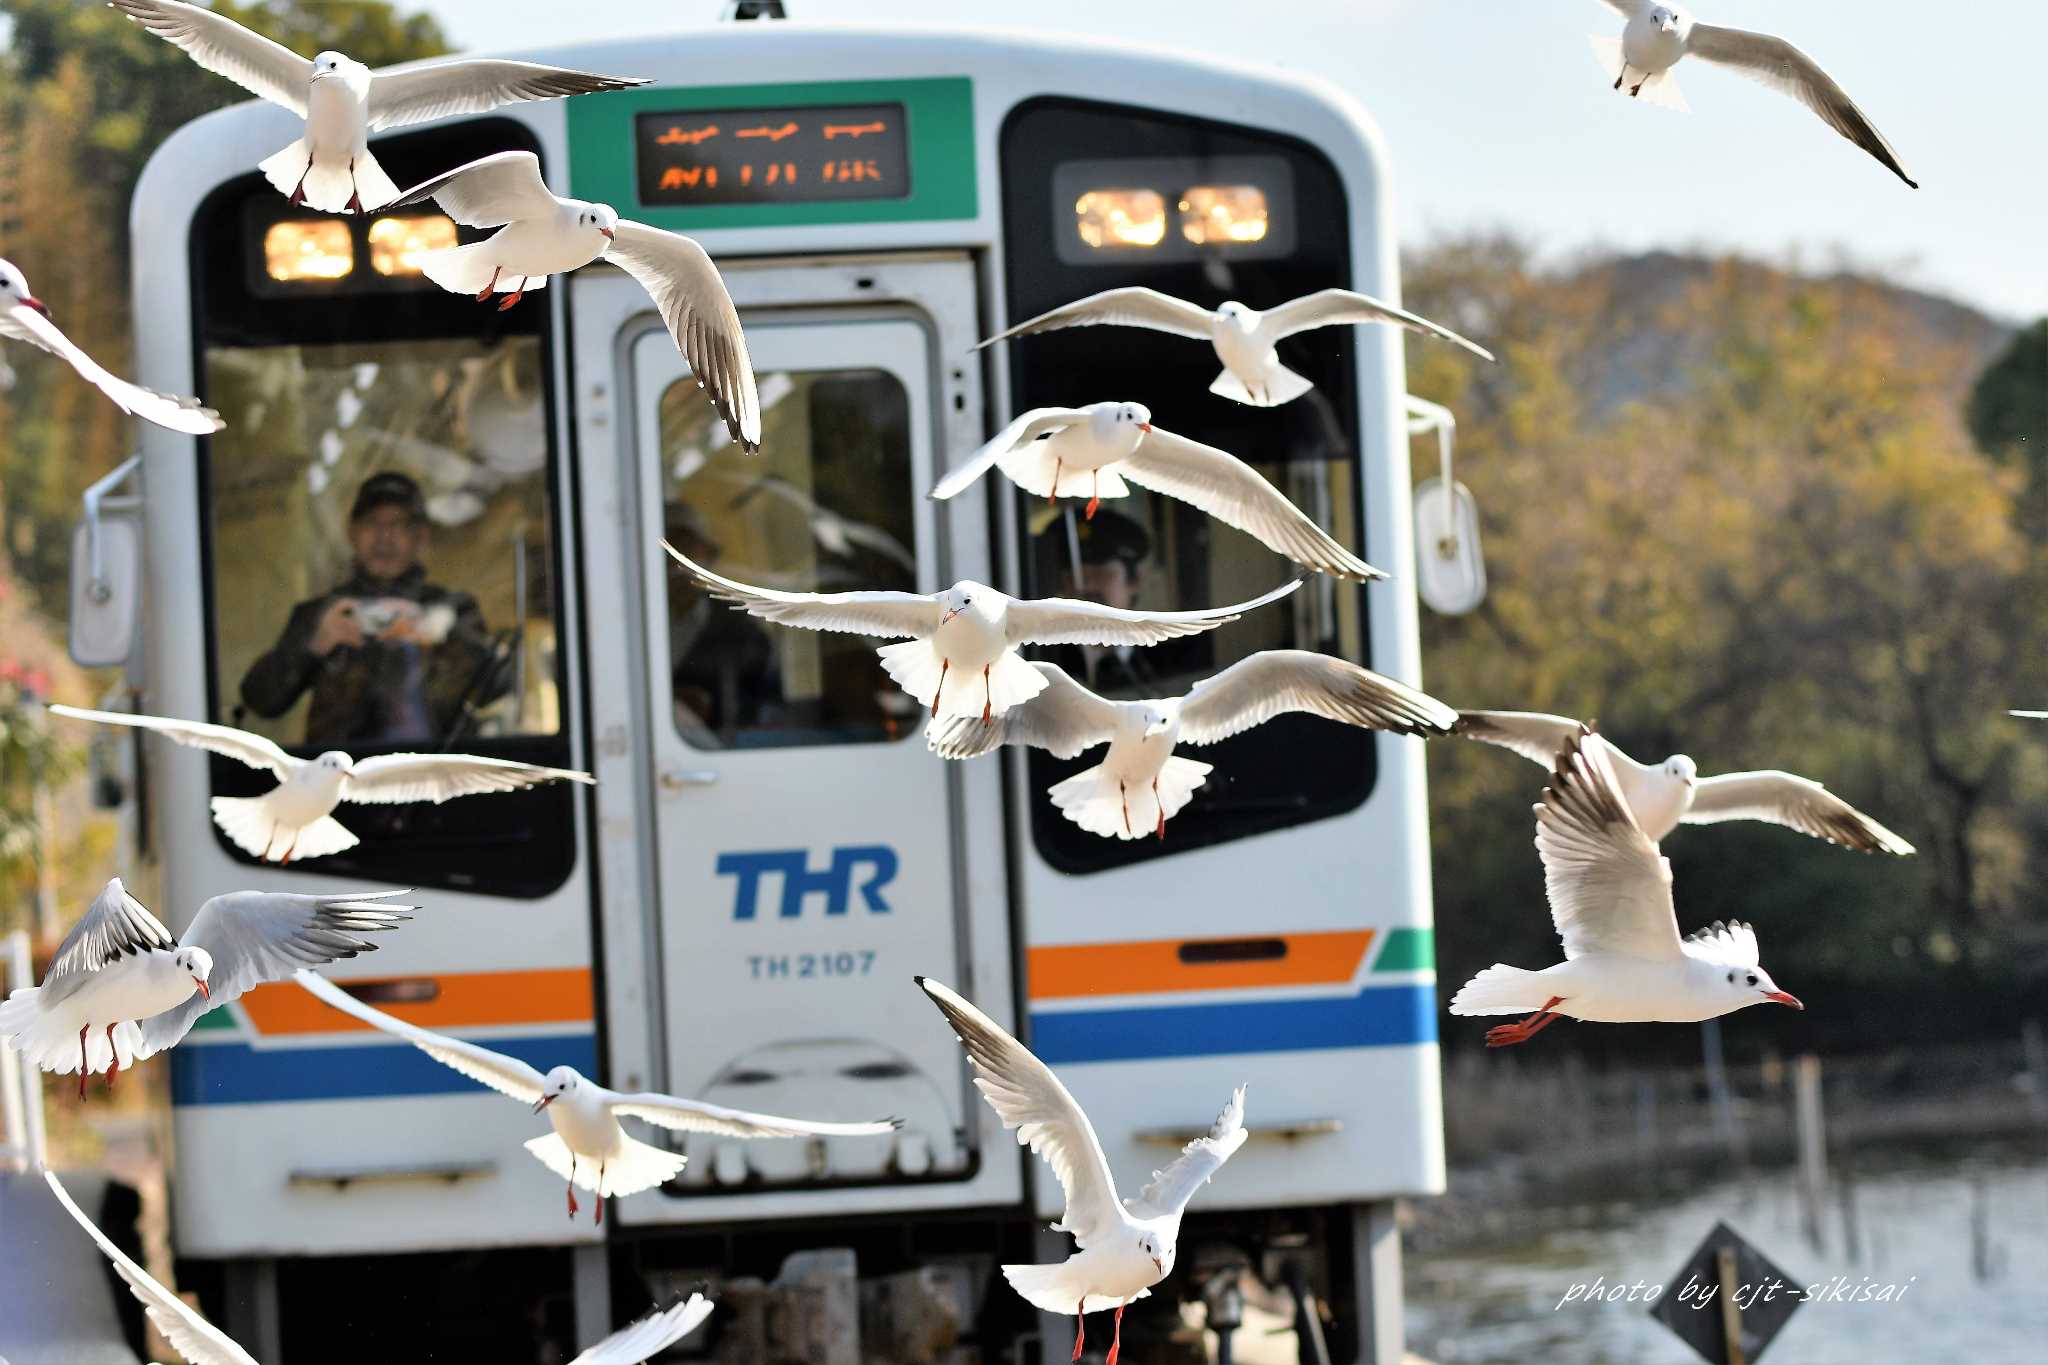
[865,868]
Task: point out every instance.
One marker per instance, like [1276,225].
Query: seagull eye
[1752,979]
[1731,978]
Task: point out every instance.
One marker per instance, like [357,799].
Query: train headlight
[1220,215]
[308,249]
[397,244]
[1120,218]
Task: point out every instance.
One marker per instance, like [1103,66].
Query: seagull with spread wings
[1244,337]
[1658,36]
[970,627]
[343,101]
[200,1342]
[1123,1246]
[540,235]
[1066,718]
[121,988]
[1666,795]
[1049,451]
[588,1147]
[295,818]
[1610,898]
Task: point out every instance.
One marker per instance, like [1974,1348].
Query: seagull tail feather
[1051,1289]
[252,826]
[50,1041]
[1093,800]
[635,1167]
[1278,385]
[1501,989]
[459,269]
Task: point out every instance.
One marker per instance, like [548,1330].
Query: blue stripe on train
[235,1073]
[1378,1016]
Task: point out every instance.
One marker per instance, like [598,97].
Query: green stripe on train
[1407,950]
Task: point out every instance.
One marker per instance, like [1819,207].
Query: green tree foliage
[2009,405]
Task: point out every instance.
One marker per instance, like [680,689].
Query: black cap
[389,489]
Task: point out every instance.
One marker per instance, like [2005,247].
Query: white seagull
[1666,795]
[343,101]
[1066,718]
[1243,337]
[24,317]
[1050,451]
[1657,36]
[200,1342]
[970,627]
[588,1147]
[2029,715]
[541,235]
[1124,1247]
[1610,898]
[122,989]
[294,819]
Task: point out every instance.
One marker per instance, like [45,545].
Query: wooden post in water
[1810,1126]
[1731,1311]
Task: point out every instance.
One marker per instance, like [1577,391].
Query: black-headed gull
[588,1147]
[1657,36]
[24,317]
[1243,337]
[200,1342]
[541,235]
[1066,718]
[1124,1247]
[1092,450]
[295,818]
[1665,795]
[343,101]
[970,627]
[1610,898]
[122,989]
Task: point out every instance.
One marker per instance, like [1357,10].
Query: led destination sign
[808,154]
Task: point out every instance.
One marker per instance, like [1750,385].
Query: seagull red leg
[491,288]
[572,1186]
[113,1058]
[1094,494]
[81,1060]
[355,198]
[1159,806]
[600,1195]
[988,696]
[514,296]
[1052,498]
[1116,1341]
[1507,1035]
[1125,793]
[1080,1328]
[944,664]
[298,195]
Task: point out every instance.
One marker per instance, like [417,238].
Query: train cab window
[825,507]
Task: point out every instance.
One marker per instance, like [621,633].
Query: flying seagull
[1124,1247]
[1066,718]
[294,819]
[541,235]
[1243,337]
[968,626]
[1657,36]
[1610,898]
[1051,451]
[200,1342]
[122,989]
[1672,793]
[588,1147]
[24,317]
[343,101]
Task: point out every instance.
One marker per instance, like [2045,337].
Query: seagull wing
[1070,621]
[1026,428]
[191,1336]
[259,936]
[1625,8]
[473,87]
[1331,307]
[506,1075]
[891,615]
[649,1336]
[489,192]
[694,1116]
[164,409]
[240,745]
[687,289]
[1784,68]
[1198,1162]
[1063,719]
[1237,495]
[1609,888]
[1028,1097]
[1255,689]
[265,69]
[116,926]
[1790,800]
[391,779]
[1132,306]
[1535,736]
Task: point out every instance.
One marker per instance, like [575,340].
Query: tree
[2009,405]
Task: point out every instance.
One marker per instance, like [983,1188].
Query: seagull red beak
[29,301]
[1145,426]
[543,1102]
[609,235]
[202,988]
[1785,998]
[949,616]
[1159,1265]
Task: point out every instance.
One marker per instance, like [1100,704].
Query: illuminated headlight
[1114,218]
[308,249]
[1221,214]
[397,244]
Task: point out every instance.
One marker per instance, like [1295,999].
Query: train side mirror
[106,572]
[1450,568]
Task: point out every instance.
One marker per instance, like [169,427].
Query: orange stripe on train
[458,1000]
[1157,966]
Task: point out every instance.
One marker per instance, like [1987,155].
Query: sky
[1498,116]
